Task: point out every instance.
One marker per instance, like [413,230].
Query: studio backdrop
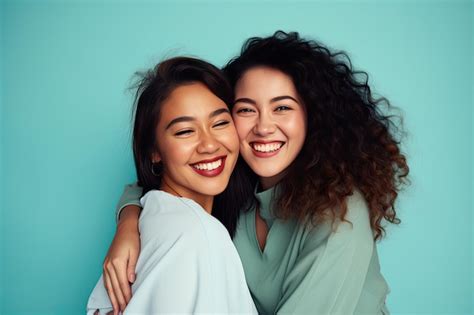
[65,113]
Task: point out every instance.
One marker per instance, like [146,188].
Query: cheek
[296,127]
[230,139]
[175,152]
[243,127]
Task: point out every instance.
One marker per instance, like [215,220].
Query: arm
[330,270]
[119,264]
[130,197]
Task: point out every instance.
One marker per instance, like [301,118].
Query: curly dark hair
[350,143]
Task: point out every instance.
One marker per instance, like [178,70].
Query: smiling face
[197,143]
[271,122]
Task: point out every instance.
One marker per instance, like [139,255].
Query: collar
[266,199]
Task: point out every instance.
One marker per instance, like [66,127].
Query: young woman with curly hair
[321,168]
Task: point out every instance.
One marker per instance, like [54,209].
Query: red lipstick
[213,172]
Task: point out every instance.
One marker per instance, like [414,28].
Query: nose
[264,125]
[207,144]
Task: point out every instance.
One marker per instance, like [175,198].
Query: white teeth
[267,147]
[208,166]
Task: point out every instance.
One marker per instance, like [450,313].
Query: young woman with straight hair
[185,147]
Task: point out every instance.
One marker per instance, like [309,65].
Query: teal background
[65,130]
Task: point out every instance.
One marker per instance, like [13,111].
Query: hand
[120,262]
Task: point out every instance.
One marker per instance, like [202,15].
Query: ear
[155,157]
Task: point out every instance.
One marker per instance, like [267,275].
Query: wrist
[129,217]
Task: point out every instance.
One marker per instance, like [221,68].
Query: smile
[211,167]
[266,149]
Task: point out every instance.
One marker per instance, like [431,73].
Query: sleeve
[99,299]
[131,196]
[330,270]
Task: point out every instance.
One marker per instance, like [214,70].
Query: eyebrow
[215,113]
[273,100]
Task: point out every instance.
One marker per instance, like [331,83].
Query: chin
[266,171]
[212,189]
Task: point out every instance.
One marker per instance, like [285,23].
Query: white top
[187,264]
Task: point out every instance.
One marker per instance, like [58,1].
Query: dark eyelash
[246,110]
[222,123]
[283,107]
[182,132]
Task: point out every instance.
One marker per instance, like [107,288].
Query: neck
[205,201]
[269,182]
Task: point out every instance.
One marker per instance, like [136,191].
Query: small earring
[153,167]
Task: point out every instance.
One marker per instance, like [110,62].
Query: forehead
[264,82]
[193,99]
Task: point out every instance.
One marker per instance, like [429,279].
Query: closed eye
[183,132]
[222,123]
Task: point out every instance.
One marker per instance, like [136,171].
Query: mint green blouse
[326,269]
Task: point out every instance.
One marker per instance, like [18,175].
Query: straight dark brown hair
[153,88]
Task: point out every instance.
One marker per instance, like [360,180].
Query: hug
[262,187]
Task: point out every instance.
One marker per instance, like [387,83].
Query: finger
[110,292]
[121,273]
[116,287]
[132,264]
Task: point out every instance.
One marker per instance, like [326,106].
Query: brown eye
[282,108]
[245,110]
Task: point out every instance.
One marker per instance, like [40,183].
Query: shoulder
[167,206]
[354,230]
[357,212]
[166,215]
[170,216]
[157,199]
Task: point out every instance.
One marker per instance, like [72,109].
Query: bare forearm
[129,215]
